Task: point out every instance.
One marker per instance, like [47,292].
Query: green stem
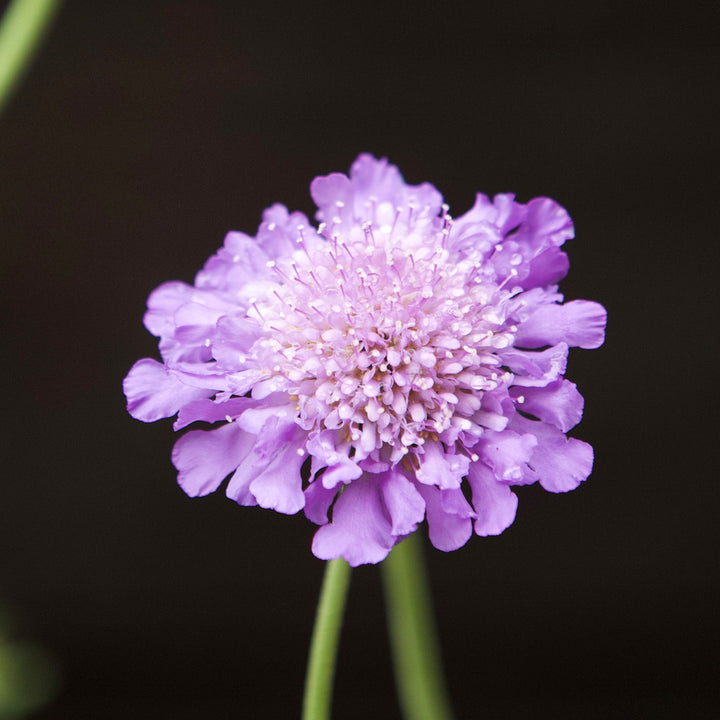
[325,641]
[21,30]
[416,651]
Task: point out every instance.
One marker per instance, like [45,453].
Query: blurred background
[144,132]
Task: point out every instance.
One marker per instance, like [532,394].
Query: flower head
[370,367]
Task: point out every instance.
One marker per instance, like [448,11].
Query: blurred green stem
[415,647]
[325,640]
[21,31]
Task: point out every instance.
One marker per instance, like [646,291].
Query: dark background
[144,132]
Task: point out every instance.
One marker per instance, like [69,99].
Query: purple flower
[375,368]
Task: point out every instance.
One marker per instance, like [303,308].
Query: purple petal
[204,309]
[162,304]
[559,463]
[271,472]
[495,503]
[360,531]
[448,516]
[240,382]
[502,214]
[509,212]
[558,403]
[547,223]
[536,368]
[204,458]
[404,503]
[255,419]
[201,375]
[210,412]
[580,323]
[547,268]
[506,453]
[279,231]
[372,176]
[153,393]
[317,502]
[232,341]
[475,233]
[373,191]
[340,467]
[382,180]
[342,472]
[329,190]
[238,488]
[239,262]
[440,468]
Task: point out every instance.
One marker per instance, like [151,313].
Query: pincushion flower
[389,366]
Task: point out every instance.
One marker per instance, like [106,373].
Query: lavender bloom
[400,351]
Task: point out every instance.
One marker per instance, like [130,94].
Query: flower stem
[416,651]
[21,30]
[325,641]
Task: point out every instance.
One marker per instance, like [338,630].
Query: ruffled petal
[162,304]
[204,458]
[547,268]
[448,516]
[547,223]
[201,375]
[271,472]
[238,489]
[343,472]
[258,415]
[240,261]
[279,231]
[404,503]
[558,403]
[494,502]
[580,323]
[373,192]
[536,369]
[360,531]
[153,393]
[502,213]
[318,499]
[233,338]
[438,467]
[559,463]
[210,412]
[329,451]
[329,190]
[204,309]
[506,453]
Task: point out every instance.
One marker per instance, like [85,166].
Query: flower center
[393,341]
